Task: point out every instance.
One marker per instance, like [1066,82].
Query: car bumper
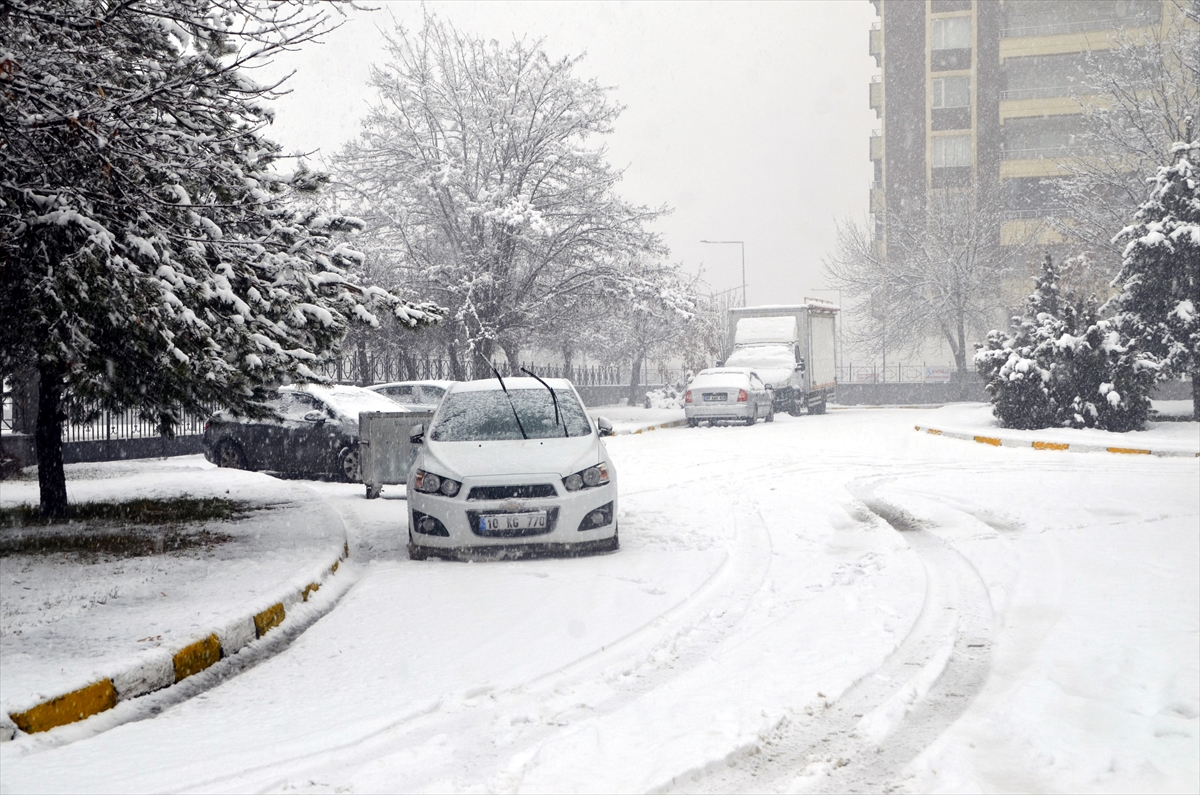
[714,412]
[459,517]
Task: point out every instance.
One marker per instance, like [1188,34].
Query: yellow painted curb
[1075,447]
[195,657]
[75,706]
[188,661]
[271,617]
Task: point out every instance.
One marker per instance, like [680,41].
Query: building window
[952,33]
[952,92]
[952,151]
[1033,137]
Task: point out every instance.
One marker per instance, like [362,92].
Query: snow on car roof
[722,370]
[349,400]
[444,384]
[522,382]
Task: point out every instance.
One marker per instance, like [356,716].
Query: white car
[508,468]
[727,394]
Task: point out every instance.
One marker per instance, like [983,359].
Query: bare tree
[1136,100]
[479,169]
[943,274]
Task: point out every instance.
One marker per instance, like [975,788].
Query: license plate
[512,521]
[715,397]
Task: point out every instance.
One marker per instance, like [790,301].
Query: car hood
[512,457]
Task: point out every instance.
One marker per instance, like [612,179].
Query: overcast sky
[751,120]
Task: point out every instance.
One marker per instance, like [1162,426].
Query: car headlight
[429,483]
[588,478]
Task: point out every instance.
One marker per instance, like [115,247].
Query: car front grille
[527,492]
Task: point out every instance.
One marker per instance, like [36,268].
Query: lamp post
[743,245]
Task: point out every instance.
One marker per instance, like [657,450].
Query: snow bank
[70,620]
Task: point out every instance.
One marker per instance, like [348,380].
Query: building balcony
[1059,152]
[876,96]
[878,199]
[1012,31]
[877,145]
[876,44]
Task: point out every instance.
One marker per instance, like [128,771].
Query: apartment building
[979,93]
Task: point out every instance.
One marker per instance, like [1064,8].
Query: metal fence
[898,373]
[110,426]
[382,369]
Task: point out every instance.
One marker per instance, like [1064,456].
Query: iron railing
[895,373]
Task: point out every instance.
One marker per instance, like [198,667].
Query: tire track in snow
[865,739]
[648,657]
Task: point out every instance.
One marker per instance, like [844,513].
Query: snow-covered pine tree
[151,255]
[1159,303]
[1097,378]
[1016,367]
[1064,366]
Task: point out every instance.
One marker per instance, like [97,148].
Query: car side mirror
[314,416]
[416,434]
[604,426]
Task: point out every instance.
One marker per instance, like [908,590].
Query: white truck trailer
[793,350]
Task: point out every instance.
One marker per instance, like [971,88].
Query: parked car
[418,394]
[510,467]
[727,394]
[315,433]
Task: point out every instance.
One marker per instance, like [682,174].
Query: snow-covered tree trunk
[52,482]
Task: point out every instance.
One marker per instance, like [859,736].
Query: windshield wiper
[553,397]
[511,405]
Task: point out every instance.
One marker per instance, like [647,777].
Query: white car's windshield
[488,416]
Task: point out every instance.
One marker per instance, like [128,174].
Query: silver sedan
[727,394]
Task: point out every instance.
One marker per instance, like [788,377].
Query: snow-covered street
[821,603]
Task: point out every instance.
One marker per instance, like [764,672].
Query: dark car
[316,433]
[418,394]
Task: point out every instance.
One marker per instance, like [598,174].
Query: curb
[161,668]
[675,424]
[996,441]
[861,407]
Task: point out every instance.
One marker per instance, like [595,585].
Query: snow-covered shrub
[1064,366]
[667,397]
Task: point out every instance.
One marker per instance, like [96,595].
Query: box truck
[792,348]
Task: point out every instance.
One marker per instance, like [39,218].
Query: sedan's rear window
[720,380]
[489,416]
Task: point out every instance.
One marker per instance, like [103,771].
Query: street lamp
[743,245]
